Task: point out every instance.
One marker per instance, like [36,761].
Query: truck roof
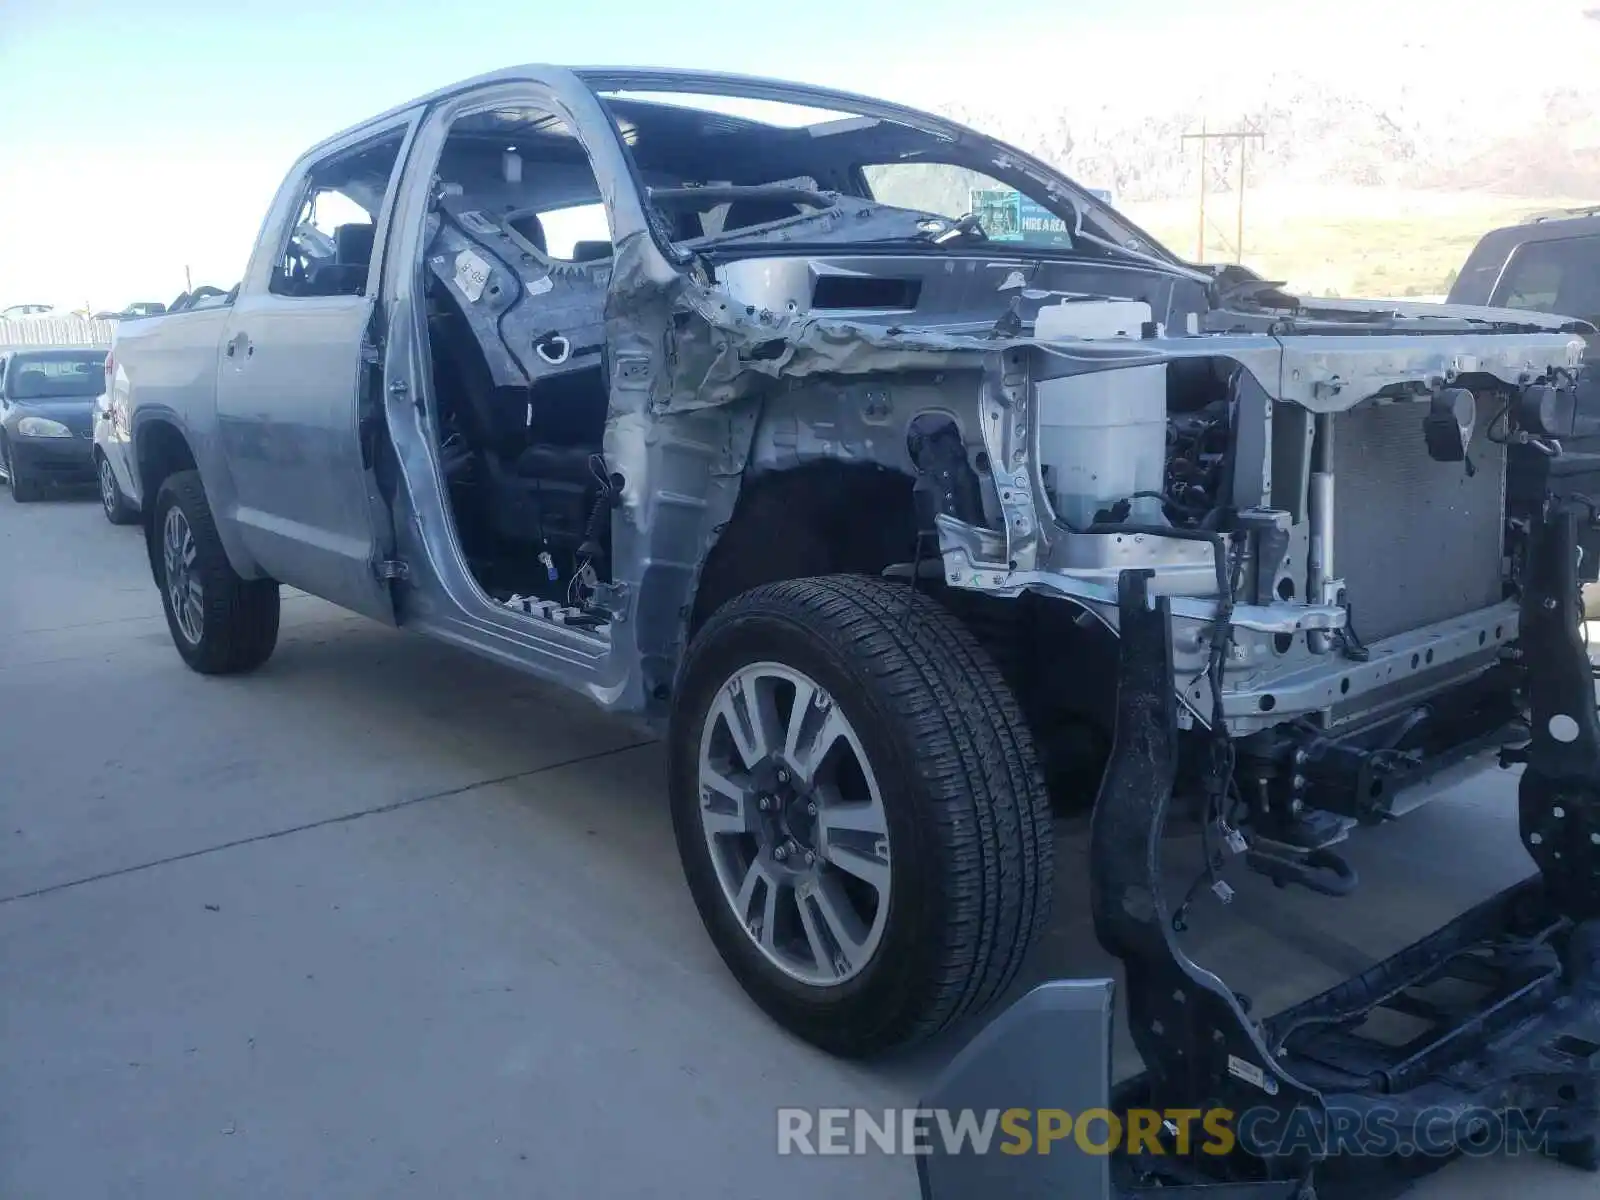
[658,79]
[585,81]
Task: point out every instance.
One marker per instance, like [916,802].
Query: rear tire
[115,505]
[967,851]
[221,623]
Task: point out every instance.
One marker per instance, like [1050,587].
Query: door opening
[517,262]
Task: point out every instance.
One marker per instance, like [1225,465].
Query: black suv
[1549,264]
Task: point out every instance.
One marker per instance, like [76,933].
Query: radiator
[1416,541]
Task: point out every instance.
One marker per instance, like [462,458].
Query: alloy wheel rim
[184,594]
[108,487]
[793,817]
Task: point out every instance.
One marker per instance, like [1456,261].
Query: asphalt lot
[384,920]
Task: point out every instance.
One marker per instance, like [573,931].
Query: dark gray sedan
[47,418]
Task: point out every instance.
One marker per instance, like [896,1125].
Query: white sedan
[111,464]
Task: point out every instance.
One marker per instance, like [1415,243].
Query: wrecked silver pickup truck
[793,439]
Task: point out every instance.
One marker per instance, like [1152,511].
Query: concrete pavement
[384,920]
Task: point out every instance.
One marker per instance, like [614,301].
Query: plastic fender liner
[1049,1050]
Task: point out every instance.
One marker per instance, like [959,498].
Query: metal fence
[55,331]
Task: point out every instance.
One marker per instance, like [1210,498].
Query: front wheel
[117,509]
[24,488]
[221,623]
[864,827]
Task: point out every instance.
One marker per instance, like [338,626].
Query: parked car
[111,465]
[46,423]
[24,312]
[1549,264]
[854,503]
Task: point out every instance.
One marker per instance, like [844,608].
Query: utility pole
[1243,137]
[188,283]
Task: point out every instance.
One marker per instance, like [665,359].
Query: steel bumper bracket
[1506,996]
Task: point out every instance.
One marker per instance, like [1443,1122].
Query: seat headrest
[30,383]
[591,251]
[353,244]
[531,228]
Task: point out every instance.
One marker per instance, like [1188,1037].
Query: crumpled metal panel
[1416,541]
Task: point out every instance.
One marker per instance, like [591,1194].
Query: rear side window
[327,249]
[1558,275]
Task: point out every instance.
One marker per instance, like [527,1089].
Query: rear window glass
[1559,275]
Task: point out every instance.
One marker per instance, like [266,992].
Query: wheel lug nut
[780,853]
[764,803]
[811,857]
[811,808]
[783,775]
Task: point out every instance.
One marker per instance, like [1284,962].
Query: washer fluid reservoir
[1103,435]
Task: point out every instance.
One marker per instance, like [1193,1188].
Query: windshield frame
[1110,231]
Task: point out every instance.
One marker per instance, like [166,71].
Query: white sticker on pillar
[472,275]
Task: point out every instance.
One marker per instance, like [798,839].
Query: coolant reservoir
[1102,435]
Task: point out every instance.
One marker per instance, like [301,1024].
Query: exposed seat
[30,383]
[531,229]
[353,244]
[345,274]
[568,464]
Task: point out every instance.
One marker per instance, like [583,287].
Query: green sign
[1009,216]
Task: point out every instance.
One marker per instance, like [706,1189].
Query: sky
[138,137]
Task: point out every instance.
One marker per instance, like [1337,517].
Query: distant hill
[1317,134]
[1474,95]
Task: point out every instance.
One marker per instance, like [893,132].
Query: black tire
[24,488]
[238,622]
[965,803]
[112,502]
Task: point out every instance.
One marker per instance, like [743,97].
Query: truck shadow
[549,757]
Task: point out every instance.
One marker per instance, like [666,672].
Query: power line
[1243,137]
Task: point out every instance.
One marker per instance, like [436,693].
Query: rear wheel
[862,822]
[221,623]
[117,509]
